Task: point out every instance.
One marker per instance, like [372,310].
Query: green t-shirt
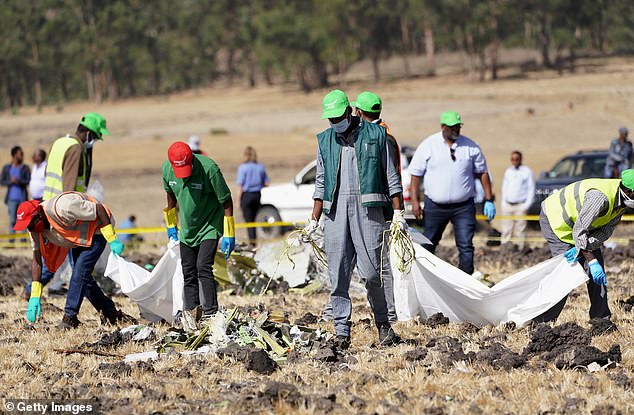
[200,199]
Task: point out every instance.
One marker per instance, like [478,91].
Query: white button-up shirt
[446,180]
[518,186]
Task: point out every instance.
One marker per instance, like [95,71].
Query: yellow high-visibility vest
[53,185]
[563,206]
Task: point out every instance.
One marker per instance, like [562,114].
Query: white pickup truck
[293,201]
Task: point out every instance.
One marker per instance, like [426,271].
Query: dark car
[579,166]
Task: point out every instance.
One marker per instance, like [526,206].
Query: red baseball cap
[26,211]
[180,156]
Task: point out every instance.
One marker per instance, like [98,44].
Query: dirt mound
[436,320]
[568,346]
[307,319]
[14,272]
[254,359]
[449,350]
[500,357]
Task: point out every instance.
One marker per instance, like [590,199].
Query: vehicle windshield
[578,167]
[309,177]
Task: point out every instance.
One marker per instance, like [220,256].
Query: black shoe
[387,337]
[118,317]
[68,323]
[342,342]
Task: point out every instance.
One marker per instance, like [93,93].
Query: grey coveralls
[354,236]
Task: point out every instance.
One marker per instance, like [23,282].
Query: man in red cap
[70,221]
[196,184]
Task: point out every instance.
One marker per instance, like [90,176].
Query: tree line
[52,51]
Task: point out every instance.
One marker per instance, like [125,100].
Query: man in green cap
[70,164]
[357,187]
[450,163]
[576,221]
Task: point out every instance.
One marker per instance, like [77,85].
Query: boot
[387,337]
[68,323]
[342,342]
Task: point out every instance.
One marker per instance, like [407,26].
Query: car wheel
[269,214]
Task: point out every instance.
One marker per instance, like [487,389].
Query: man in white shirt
[449,164]
[518,190]
[38,175]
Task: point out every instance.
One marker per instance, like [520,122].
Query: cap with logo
[627,178]
[180,156]
[334,104]
[450,118]
[368,102]
[95,123]
[25,213]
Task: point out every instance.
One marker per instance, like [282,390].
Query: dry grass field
[543,115]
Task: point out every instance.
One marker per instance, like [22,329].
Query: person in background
[38,175]
[74,222]
[576,221]
[450,163]
[128,238]
[518,192]
[619,156]
[15,176]
[195,183]
[252,178]
[194,144]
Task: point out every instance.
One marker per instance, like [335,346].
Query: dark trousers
[598,293]
[436,216]
[250,203]
[82,284]
[197,263]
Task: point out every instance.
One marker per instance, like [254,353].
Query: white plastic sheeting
[159,292]
[435,286]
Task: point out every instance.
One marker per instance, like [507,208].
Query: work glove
[598,275]
[308,230]
[571,255]
[228,243]
[116,246]
[489,210]
[34,310]
[399,219]
[170,223]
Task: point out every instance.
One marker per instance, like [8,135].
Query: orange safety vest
[79,233]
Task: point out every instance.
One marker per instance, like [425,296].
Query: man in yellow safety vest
[69,165]
[575,221]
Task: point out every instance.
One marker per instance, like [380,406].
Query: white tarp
[159,292]
[435,286]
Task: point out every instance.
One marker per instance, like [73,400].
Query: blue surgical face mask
[341,126]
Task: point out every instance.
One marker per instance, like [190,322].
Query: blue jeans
[82,284]
[12,207]
[436,216]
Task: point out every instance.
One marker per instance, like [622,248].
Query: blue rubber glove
[116,246]
[34,310]
[172,234]
[489,210]
[598,275]
[571,255]
[227,246]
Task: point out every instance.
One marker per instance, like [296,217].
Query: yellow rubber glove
[170,217]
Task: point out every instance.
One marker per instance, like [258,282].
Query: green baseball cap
[334,104]
[450,118]
[368,102]
[627,178]
[95,123]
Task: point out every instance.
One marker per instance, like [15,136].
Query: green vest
[563,206]
[369,148]
[55,168]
